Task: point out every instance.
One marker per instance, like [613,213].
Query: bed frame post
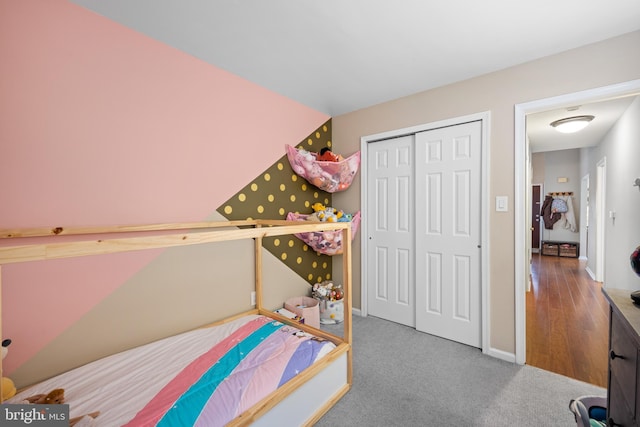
[258,270]
[346,280]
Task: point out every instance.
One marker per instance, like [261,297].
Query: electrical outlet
[253,298]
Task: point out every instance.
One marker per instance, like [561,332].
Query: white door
[390,235]
[448,188]
[584,213]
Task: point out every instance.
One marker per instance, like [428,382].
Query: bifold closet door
[390,233]
[447,244]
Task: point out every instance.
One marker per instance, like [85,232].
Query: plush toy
[323,213]
[309,169]
[8,387]
[344,217]
[326,155]
[56,397]
[317,207]
[328,215]
[347,173]
[327,290]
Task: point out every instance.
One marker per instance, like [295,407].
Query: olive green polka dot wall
[273,194]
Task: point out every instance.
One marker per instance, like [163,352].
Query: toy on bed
[325,242]
[326,170]
[8,387]
[56,397]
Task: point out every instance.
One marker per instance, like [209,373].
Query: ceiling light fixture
[571,124]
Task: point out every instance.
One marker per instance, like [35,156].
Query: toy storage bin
[305,307]
[324,242]
[331,312]
[327,176]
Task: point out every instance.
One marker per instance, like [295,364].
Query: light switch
[502,203]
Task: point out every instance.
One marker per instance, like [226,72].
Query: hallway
[567,320]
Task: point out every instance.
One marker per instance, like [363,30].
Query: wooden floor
[567,320]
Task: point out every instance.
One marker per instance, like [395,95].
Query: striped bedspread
[201,378]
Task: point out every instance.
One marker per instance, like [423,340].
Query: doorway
[522,180]
[380,262]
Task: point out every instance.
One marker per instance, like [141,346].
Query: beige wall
[611,61]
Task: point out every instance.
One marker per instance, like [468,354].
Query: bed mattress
[205,377]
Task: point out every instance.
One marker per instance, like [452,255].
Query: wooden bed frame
[301,401]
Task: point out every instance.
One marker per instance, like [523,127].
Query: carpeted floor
[407,378]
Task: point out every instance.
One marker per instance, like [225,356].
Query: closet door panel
[390,230]
[448,171]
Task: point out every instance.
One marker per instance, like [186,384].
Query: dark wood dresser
[623,393]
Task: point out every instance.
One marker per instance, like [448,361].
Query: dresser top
[620,301]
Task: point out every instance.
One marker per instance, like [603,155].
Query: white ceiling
[338,56]
[542,137]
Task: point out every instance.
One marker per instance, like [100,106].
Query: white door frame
[601,215]
[521,187]
[584,217]
[484,117]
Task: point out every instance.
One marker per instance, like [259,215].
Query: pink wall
[101,125]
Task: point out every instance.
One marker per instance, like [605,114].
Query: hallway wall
[621,149]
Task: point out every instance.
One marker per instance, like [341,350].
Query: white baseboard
[590,273]
[493,352]
[502,355]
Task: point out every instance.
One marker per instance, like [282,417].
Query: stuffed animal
[312,172]
[347,173]
[56,396]
[326,155]
[327,290]
[8,387]
[328,215]
[345,217]
[322,213]
[317,207]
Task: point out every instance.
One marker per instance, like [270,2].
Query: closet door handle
[613,355]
